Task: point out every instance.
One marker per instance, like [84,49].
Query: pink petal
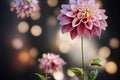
[89,25]
[97,31]
[99,17]
[89,33]
[73,1]
[60,16]
[64,11]
[73,33]
[80,1]
[71,14]
[103,24]
[81,29]
[67,28]
[65,6]
[74,7]
[96,23]
[65,20]
[75,22]
[104,16]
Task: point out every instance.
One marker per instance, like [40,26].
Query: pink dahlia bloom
[24,8]
[50,63]
[82,17]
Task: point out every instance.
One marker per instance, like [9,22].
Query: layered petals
[73,33]
[82,17]
[67,28]
[50,63]
[24,8]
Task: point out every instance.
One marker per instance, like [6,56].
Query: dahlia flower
[24,8]
[82,17]
[50,63]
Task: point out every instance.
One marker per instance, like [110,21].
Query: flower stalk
[83,64]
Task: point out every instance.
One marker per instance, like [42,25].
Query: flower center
[87,12]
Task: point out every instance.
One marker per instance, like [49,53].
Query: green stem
[46,76]
[83,65]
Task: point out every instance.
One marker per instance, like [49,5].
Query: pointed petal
[103,24]
[73,1]
[67,28]
[70,14]
[75,22]
[97,31]
[60,16]
[89,33]
[64,11]
[65,20]
[81,29]
[89,25]
[65,6]
[96,23]
[73,33]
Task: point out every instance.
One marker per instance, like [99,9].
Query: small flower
[82,17]
[50,63]
[24,8]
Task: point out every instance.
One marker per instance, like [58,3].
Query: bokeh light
[58,75]
[104,52]
[24,57]
[52,21]
[23,27]
[99,2]
[70,73]
[111,67]
[17,43]
[64,47]
[33,52]
[114,43]
[36,30]
[35,16]
[52,3]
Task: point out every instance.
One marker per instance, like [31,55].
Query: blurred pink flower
[82,17]
[50,63]
[24,8]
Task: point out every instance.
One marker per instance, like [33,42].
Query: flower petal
[96,23]
[73,33]
[67,28]
[103,24]
[73,1]
[89,33]
[89,25]
[70,14]
[65,6]
[60,16]
[73,7]
[75,22]
[97,31]
[65,20]
[81,29]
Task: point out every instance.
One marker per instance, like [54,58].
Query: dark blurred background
[23,41]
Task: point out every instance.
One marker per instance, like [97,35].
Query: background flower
[82,17]
[24,8]
[51,63]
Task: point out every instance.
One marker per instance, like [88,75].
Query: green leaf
[40,76]
[93,75]
[96,62]
[77,71]
[27,0]
[86,78]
